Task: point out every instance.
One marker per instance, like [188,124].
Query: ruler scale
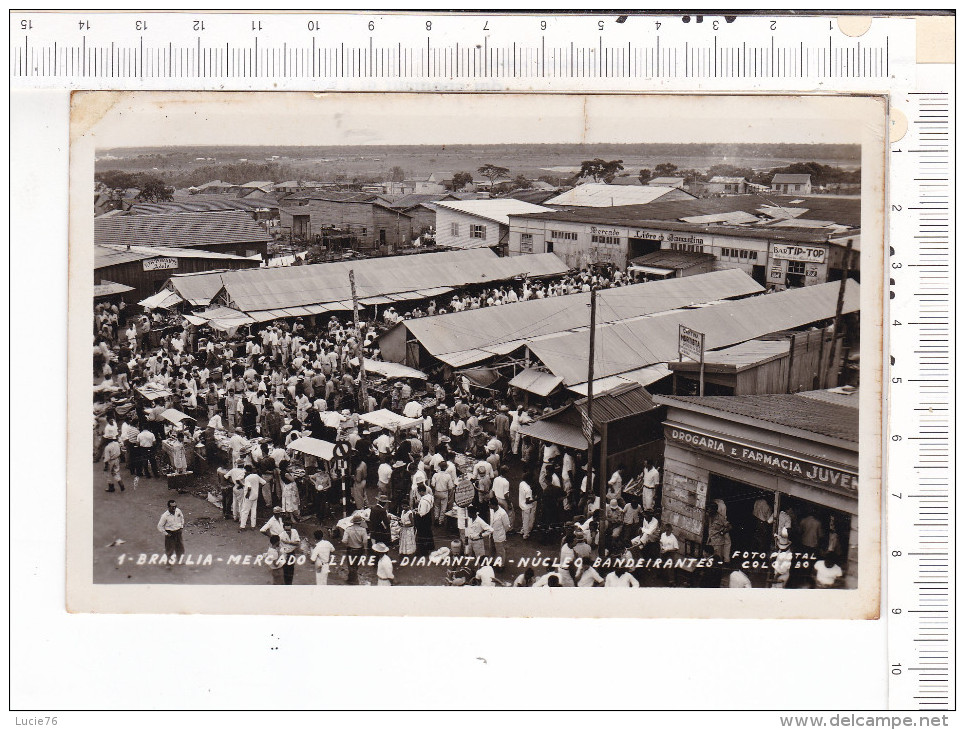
[491,52]
[920,498]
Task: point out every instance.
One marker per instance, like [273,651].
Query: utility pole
[588,426]
[837,314]
[363,387]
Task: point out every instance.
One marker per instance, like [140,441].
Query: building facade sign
[684,238]
[791,252]
[647,235]
[597,231]
[804,470]
[690,343]
[159,263]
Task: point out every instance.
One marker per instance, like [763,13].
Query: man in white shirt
[486,576]
[171,526]
[501,526]
[274,526]
[527,508]
[651,480]
[249,505]
[385,478]
[620,578]
[238,444]
[669,548]
[423,521]
[383,444]
[442,485]
[501,492]
[232,490]
[322,557]
[413,409]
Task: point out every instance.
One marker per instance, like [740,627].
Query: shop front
[766,463]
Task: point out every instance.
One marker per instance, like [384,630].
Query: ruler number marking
[26,25]
[198,25]
[255,25]
[83,25]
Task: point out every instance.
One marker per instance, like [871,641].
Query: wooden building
[145,269]
[222,231]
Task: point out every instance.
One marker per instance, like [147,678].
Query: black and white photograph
[462,342]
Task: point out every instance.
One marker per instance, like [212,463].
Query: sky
[290,118]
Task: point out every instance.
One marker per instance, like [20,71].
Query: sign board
[691,344]
[800,469]
[790,252]
[587,426]
[159,263]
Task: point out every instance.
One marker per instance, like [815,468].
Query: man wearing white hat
[383,570]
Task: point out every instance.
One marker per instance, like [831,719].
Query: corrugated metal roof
[642,376]
[740,356]
[294,286]
[626,346]
[557,432]
[671,259]
[843,210]
[211,228]
[785,177]
[109,288]
[619,402]
[493,209]
[794,411]
[480,333]
[597,195]
[189,205]
[112,255]
[536,381]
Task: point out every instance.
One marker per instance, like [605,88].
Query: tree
[461,180]
[153,190]
[396,174]
[600,169]
[645,175]
[664,169]
[521,182]
[493,172]
[116,179]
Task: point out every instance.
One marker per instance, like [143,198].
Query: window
[725,253]
[364,230]
[563,235]
[454,229]
[608,240]
[795,267]
[738,254]
[526,243]
[692,247]
[477,231]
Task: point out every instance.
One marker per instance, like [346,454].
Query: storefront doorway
[832,528]
[641,247]
[739,498]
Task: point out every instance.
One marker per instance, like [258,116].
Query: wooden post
[589,426]
[363,396]
[790,365]
[826,367]
[702,338]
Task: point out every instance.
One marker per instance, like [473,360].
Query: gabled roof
[625,346]
[785,177]
[460,338]
[671,181]
[622,401]
[726,179]
[671,259]
[114,254]
[378,280]
[797,411]
[192,204]
[407,201]
[497,210]
[603,195]
[183,230]
[843,210]
[536,197]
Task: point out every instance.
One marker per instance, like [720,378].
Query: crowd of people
[461,478]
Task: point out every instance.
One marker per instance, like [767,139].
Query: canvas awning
[175,416]
[154,392]
[643,376]
[536,381]
[164,299]
[557,432]
[384,418]
[110,288]
[393,370]
[196,321]
[482,377]
[323,450]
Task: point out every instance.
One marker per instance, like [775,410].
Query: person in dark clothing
[379,522]
[249,419]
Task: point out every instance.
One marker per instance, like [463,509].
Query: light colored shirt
[590,578]
[252,483]
[322,554]
[486,576]
[501,487]
[425,505]
[499,521]
[385,473]
[825,576]
[274,526]
[668,543]
[170,521]
[384,569]
[737,579]
[442,482]
[146,439]
[525,492]
[478,529]
[624,580]
[651,478]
